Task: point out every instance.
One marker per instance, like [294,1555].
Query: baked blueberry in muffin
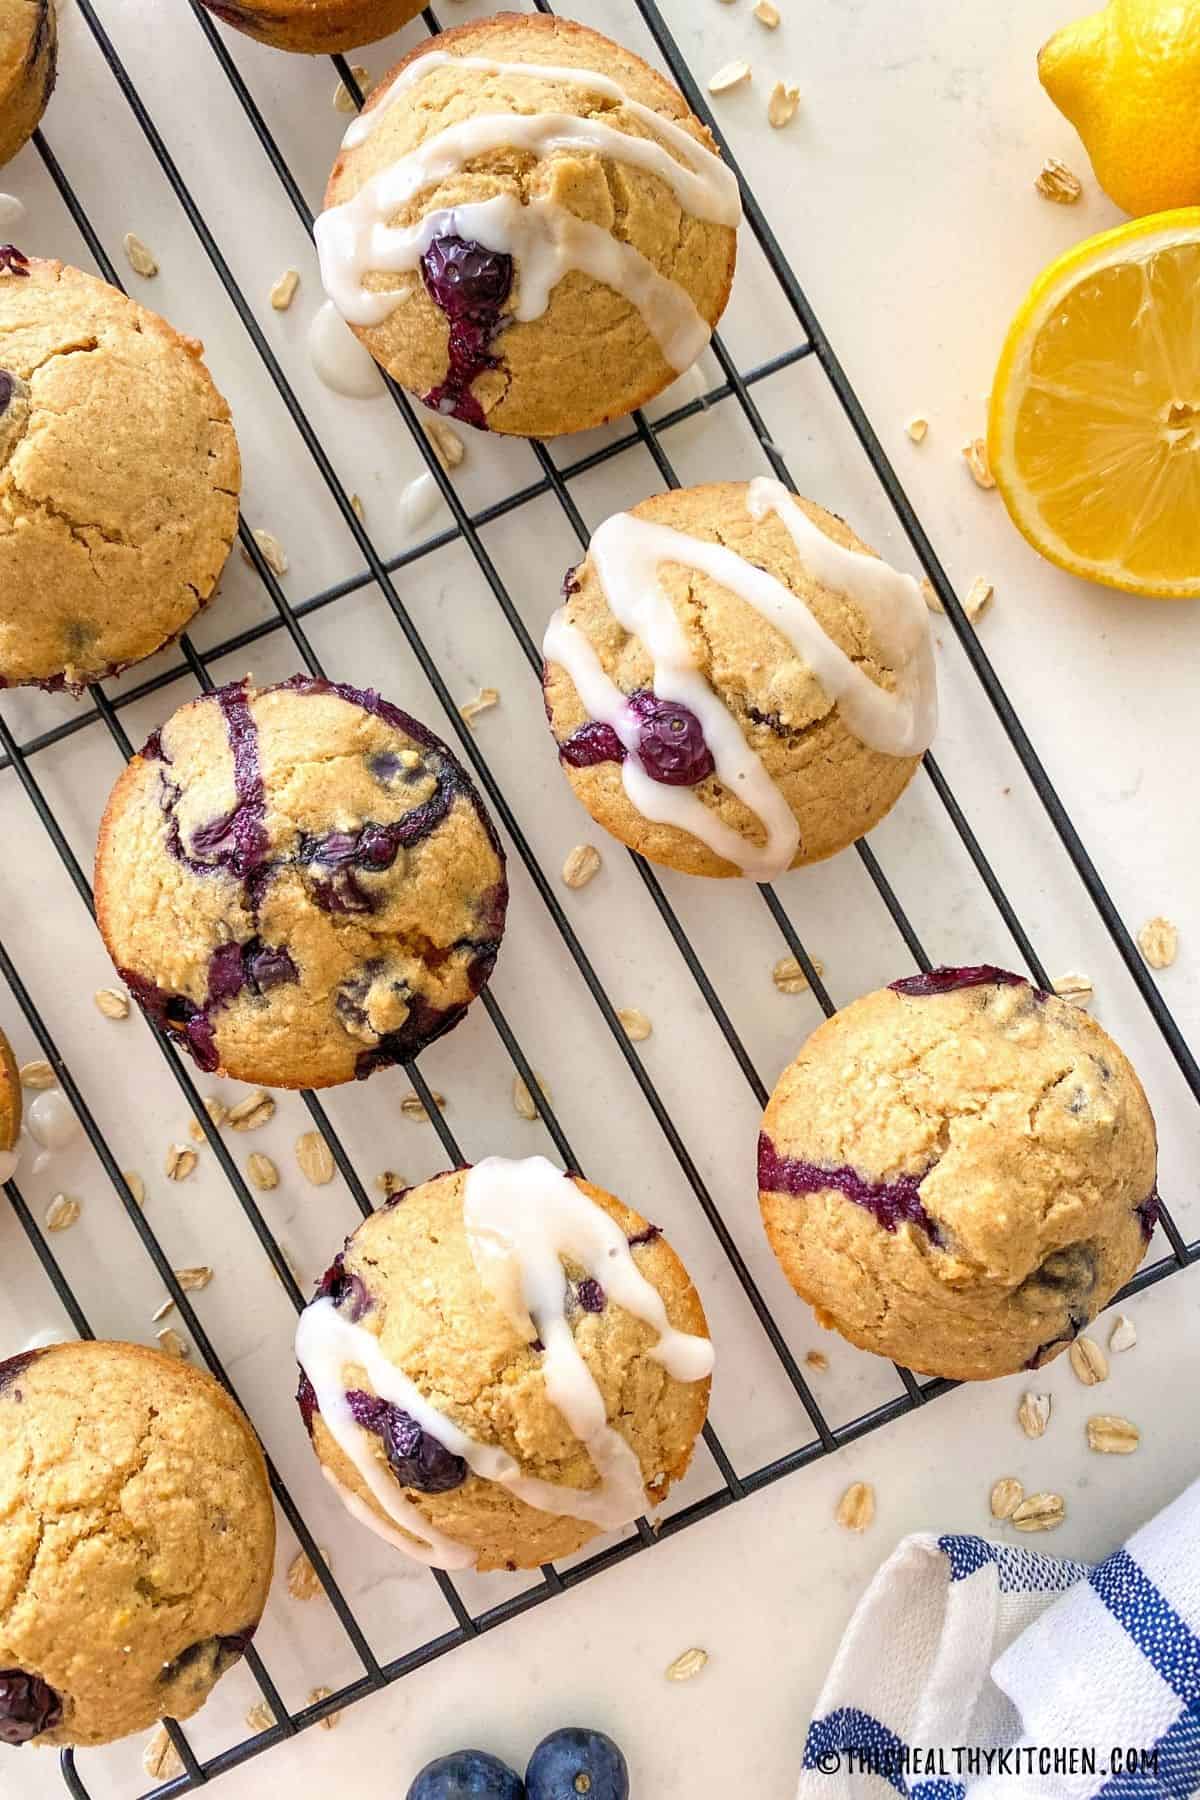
[299,883]
[528,228]
[958,1172]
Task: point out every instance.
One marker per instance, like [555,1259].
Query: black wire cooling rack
[20,757]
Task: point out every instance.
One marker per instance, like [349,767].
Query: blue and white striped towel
[962,1643]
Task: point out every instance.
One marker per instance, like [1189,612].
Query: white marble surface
[903,193]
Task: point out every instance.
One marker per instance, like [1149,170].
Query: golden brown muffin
[28,64]
[958,1172]
[426,1312]
[570,243]
[119,477]
[319,27]
[10,1095]
[299,883]
[137,1539]
[798,783]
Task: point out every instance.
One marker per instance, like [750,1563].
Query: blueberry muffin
[119,477]
[528,228]
[503,1362]
[319,27]
[958,1172]
[28,64]
[10,1096]
[137,1539]
[299,883]
[736,683]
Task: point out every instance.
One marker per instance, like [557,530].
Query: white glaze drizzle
[627,553]
[544,239]
[51,1120]
[341,362]
[520,1217]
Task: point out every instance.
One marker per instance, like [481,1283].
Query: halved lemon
[1094,428]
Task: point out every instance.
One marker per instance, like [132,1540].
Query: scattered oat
[1056,182]
[582,863]
[303,1582]
[484,700]
[38,1075]
[331,1719]
[343,99]
[388,1182]
[1159,941]
[135,1184]
[856,1508]
[255,1110]
[1075,988]
[686,1665]
[358,509]
[260,1717]
[817,1359]
[413,1107]
[767,14]
[160,1759]
[522,1099]
[1033,1414]
[634,1024]
[1123,1335]
[783,104]
[216,1109]
[1088,1361]
[197,1277]
[161,1312]
[978,598]
[790,978]
[284,290]
[315,1158]
[196,1132]
[729,77]
[917,428]
[448,447]
[180,1162]
[274,554]
[1007,1495]
[141,258]
[1041,1512]
[976,458]
[262,1172]
[1112,1435]
[930,596]
[174,1345]
[62,1212]
[112,1003]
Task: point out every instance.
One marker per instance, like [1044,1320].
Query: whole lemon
[1128,78]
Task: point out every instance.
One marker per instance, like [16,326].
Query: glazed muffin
[958,1172]
[320,27]
[137,1539]
[736,683]
[28,64]
[503,1362]
[119,477]
[299,883]
[529,249]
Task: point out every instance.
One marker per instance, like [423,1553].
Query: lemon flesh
[1094,430]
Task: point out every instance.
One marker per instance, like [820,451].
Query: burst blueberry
[468,1775]
[577,1761]
[671,741]
[416,1458]
[466,280]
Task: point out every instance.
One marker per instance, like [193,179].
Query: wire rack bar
[737,388]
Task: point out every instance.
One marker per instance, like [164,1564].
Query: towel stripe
[1163,1638]
[850,1729]
[1178,1772]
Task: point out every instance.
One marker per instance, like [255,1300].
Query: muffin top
[560,233]
[10,1095]
[505,1360]
[119,477]
[26,32]
[315,27]
[299,882]
[959,1171]
[137,1540]
[737,684]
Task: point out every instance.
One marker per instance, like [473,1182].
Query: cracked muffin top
[528,228]
[503,1361]
[137,1541]
[958,1172]
[736,683]
[119,477]
[28,64]
[10,1095]
[316,27]
[299,883]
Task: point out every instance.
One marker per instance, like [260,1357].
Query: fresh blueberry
[28,1706]
[576,1761]
[671,743]
[467,1775]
